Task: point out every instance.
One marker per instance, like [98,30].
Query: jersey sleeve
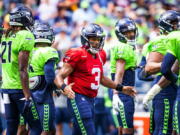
[121,53]
[27,41]
[51,53]
[159,47]
[72,57]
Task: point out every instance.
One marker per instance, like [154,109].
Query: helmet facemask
[96,44]
[129,36]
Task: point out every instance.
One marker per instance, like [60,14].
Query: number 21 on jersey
[97,78]
[6,51]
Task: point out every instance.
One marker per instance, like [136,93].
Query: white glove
[116,104]
[151,94]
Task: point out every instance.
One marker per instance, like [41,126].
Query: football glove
[116,104]
[151,94]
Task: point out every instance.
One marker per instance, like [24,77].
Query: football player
[162,107]
[42,75]
[168,61]
[1,126]
[16,45]
[84,68]
[123,64]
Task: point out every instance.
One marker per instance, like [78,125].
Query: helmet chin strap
[93,50]
[29,29]
[132,43]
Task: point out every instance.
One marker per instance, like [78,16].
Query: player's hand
[115,112]
[116,104]
[27,106]
[129,90]
[57,93]
[68,91]
[145,102]
[151,94]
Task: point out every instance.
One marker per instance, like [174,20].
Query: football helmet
[122,29]
[43,33]
[21,16]
[92,31]
[169,21]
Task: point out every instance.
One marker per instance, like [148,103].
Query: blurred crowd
[67,17]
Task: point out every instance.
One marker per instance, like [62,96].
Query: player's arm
[120,69]
[66,70]
[23,59]
[153,63]
[162,83]
[129,90]
[142,75]
[175,67]
[49,72]
[167,63]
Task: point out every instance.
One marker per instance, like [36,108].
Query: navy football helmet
[92,31]
[43,33]
[122,28]
[169,21]
[21,16]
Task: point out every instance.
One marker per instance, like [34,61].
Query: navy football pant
[82,110]
[1,127]
[176,116]
[13,108]
[125,116]
[161,116]
[47,116]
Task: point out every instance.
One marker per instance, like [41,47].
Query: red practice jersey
[87,70]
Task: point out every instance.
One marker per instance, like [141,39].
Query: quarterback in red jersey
[84,68]
[88,70]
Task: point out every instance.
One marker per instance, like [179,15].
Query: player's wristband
[119,87]
[63,86]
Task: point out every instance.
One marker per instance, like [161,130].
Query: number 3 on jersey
[97,78]
[6,51]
